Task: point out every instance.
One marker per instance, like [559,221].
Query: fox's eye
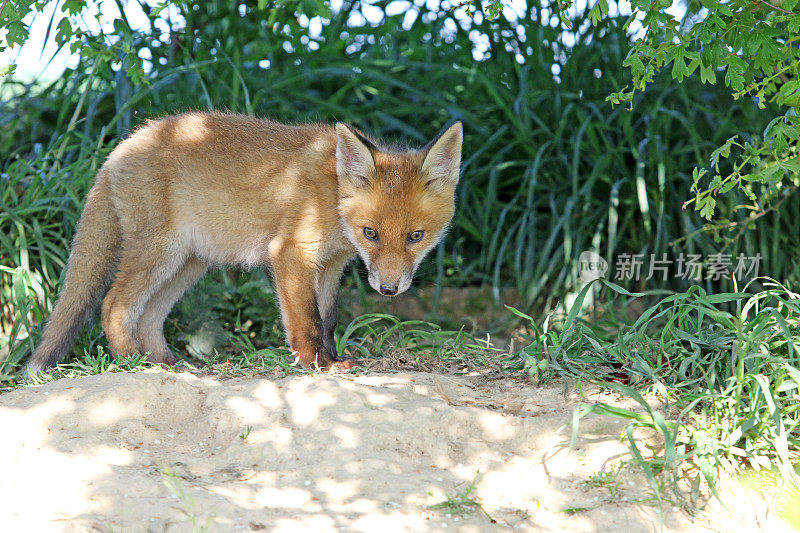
[371,234]
[416,236]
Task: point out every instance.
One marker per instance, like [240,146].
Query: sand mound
[156,451]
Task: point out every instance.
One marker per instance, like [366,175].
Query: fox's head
[394,206]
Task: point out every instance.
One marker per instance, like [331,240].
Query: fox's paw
[324,362]
[32,369]
[330,365]
[345,364]
[164,358]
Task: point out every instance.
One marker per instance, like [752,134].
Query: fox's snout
[389,285]
[388,289]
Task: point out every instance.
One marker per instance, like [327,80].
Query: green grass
[607,478]
[245,434]
[727,365]
[375,339]
[463,503]
[188,505]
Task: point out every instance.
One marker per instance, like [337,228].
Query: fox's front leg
[328,281]
[296,283]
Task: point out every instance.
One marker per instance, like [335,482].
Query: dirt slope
[157,451]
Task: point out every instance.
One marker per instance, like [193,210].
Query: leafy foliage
[726,364]
[752,46]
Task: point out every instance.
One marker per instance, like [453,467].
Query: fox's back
[228,146]
[228,182]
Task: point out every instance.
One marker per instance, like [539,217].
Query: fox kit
[193,191]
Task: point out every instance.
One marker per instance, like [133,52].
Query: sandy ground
[157,451]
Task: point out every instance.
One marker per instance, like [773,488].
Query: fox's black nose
[388,290]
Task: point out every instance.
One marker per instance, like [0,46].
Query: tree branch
[776,8]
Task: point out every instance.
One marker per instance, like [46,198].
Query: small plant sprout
[188,506]
[463,503]
[608,478]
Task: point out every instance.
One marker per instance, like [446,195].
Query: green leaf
[599,9]
[10,13]
[17,33]
[791,165]
[634,62]
[790,93]
[5,70]
[64,31]
[679,69]
[708,74]
[734,74]
[794,25]
[73,7]
[706,207]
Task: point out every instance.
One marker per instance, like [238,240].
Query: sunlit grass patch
[463,503]
[725,365]
[188,506]
[95,362]
[608,478]
[385,342]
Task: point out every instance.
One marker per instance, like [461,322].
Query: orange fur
[198,190]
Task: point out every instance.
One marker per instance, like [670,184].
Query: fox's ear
[354,155]
[443,158]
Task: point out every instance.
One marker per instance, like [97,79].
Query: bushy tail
[91,267]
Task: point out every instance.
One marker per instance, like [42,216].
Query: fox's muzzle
[388,289]
[389,285]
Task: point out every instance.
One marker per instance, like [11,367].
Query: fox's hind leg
[143,268]
[150,330]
